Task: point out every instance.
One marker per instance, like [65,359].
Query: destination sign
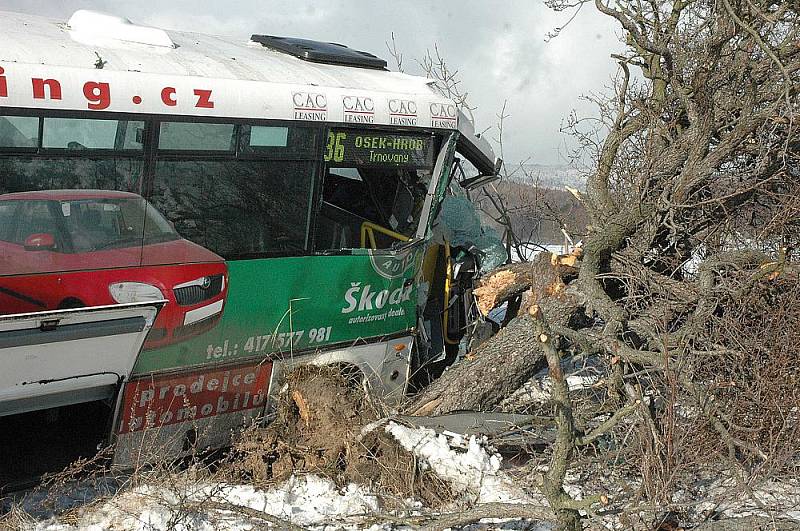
[347,148]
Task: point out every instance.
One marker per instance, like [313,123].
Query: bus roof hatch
[320,52]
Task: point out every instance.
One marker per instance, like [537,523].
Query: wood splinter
[302,406]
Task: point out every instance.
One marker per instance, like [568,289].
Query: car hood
[15,260]
[179,251]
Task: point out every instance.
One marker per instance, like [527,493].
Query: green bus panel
[280,306]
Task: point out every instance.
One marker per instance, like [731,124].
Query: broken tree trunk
[502,364]
[544,276]
[495,370]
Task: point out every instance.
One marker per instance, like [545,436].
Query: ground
[331,462]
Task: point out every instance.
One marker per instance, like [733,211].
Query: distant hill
[538,213]
[554,177]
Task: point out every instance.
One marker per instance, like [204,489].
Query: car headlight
[126,292]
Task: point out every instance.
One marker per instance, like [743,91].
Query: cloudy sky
[497,46]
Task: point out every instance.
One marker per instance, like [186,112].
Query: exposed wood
[302,406]
[543,276]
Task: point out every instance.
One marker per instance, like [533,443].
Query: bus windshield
[374,187]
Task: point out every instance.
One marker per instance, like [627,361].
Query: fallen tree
[693,209]
[500,366]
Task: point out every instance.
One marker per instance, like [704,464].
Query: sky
[498,48]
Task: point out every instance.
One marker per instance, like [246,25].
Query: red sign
[154,402]
[98,95]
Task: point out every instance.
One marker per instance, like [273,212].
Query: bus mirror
[498,165]
[476,182]
[40,242]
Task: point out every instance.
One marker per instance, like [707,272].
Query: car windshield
[86,224]
[96,224]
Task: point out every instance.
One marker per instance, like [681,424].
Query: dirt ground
[327,425]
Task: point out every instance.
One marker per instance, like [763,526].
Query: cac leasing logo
[391,266]
[310,106]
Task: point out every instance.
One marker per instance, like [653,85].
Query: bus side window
[19,132]
[192,136]
[251,204]
[86,133]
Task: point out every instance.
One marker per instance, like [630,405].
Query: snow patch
[473,472]
[307,501]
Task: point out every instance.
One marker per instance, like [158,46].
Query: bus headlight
[126,292]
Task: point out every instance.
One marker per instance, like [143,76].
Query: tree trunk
[502,364]
[492,372]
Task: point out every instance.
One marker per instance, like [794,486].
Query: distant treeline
[538,214]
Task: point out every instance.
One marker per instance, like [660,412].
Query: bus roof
[33,39]
[100,62]
[51,49]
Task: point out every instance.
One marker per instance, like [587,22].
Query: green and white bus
[272,201]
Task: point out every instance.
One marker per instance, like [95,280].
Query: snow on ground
[474,472]
[316,503]
[538,390]
[308,501]
[770,499]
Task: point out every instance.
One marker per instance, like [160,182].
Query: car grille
[190,295]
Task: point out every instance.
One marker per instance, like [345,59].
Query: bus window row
[80,193]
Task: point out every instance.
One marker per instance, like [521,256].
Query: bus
[271,203]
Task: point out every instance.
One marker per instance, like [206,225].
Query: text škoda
[364,298]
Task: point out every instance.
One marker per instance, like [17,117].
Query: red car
[73,248]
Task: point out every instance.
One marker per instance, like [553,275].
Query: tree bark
[502,364]
[492,372]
